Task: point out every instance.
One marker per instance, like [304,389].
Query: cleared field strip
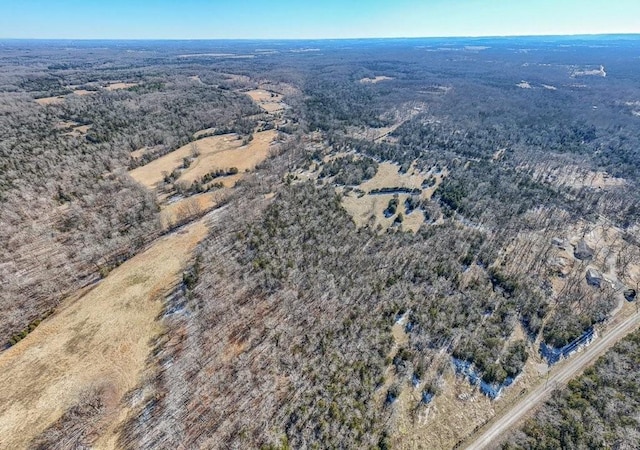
[94,350]
[269,101]
[214,152]
[363,208]
[370,207]
[389,175]
[190,207]
[118,86]
[83,92]
[151,174]
[99,342]
[242,157]
[50,101]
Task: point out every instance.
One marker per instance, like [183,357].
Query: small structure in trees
[583,251]
[594,278]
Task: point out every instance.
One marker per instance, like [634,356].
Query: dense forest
[507,171]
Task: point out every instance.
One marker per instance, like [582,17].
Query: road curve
[566,372]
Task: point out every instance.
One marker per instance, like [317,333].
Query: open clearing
[82,92]
[139,153]
[236,78]
[586,72]
[79,131]
[454,412]
[151,174]
[50,100]
[375,80]
[368,208]
[99,342]
[66,125]
[389,175]
[398,117]
[73,129]
[95,348]
[270,101]
[215,152]
[190,207]
[242,157]
[119,85]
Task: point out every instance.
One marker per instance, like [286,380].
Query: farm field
[367,207]
[215,152]
[243,157]
[270,101]
[190,207]
[50,101]
[93,351]
[119,85]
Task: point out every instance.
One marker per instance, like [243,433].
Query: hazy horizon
[363,38]
[290,20]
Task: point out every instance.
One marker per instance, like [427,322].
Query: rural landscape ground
[428,243]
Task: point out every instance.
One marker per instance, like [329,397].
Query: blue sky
[289,19]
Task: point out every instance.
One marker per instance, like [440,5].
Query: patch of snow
[594,72]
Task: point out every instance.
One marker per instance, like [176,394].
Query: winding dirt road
[559,376]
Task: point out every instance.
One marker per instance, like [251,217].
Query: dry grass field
[50,101]
[398,116]
[369,209]
[66,125]
[119,85]
[79,131]
[73,129]
[237,78]
[190,207]
[389,175]
[84,359]
[83,92]
[72,374]
[96,345]
[215,152]
[270,101]
[151,174]
[232,154]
